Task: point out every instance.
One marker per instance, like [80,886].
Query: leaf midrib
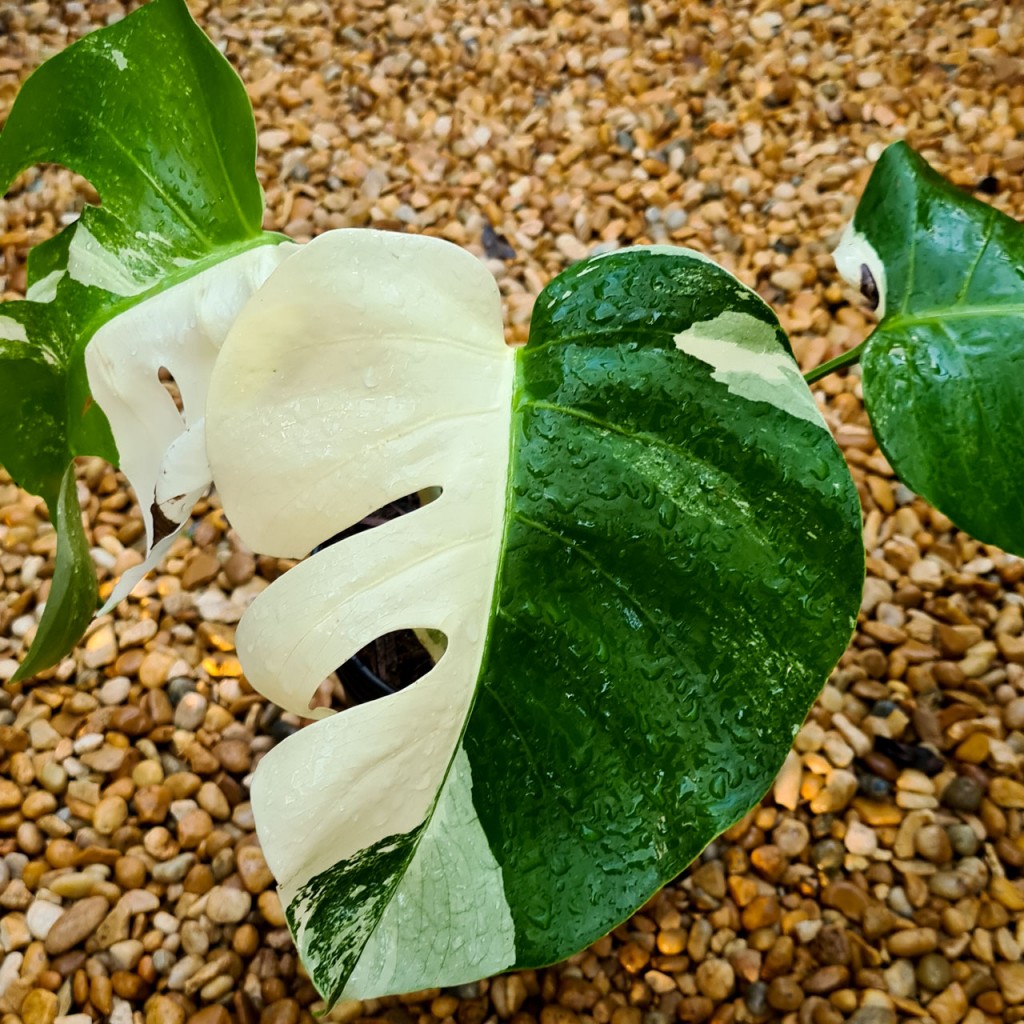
[966,312]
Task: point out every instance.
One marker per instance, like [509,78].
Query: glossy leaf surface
[944,369]
[646,557]
[151,113]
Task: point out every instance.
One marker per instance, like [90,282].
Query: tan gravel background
[881,880]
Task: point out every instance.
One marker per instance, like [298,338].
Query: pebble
[114,691]
[190,712]
[41,916]
[962,794]
[76,923]
[10,795]
[913,942]
[715,978]
[177,688]
[934,972]
[252,868]
[1006,792]
[861,840]
[1010,978]
[39,1007]
[225,905]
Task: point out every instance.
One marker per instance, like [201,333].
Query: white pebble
[41,916]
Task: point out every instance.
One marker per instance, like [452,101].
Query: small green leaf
[71,602]
[943,371]
[645,556]
[154,116]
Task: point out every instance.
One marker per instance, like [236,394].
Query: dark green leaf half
[944,370]
[683,567]
[71,602]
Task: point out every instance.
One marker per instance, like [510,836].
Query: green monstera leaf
[151,113]
[646,557]
[943,372]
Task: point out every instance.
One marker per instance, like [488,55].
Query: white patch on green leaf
[45,289]
[119,59]
[11,330]
[162,451]
[449,919]
[369,366]
[748,358]
[852,254]
[93,265]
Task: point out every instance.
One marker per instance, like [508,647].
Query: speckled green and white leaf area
[175,203]
[944,370]
[646,557]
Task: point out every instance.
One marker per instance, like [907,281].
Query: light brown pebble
[633,956]
[210,1015]
[1006,792]
[78,922]
[270,907]
[1013,713]
[444,1006]
[860,839]
[234,755]
[715,979]
[15,932]
[1010,978]
[558,1015]
[658,982]
[949,1006]
[38,803]
[193,828]
[838,791]
[225,905]
[110,814]
[252,867]
[213,801]
[152,804]
[39,1007]
[932,843]
[508,993]
[282,1011]
[1008,893]
[53,777]
[10,795]
[785,994]
[164,1010]
[913,942]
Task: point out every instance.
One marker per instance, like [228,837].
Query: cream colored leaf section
[368,367]
[747,356]
[163,451]
[852,255]
[449,922]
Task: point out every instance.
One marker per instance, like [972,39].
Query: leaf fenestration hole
[171,387]
[394,660]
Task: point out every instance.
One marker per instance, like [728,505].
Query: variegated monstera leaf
[645,557]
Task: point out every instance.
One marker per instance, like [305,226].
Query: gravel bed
[881,878]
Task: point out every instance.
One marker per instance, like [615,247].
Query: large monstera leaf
[646,557]
[943,372]
[151,113]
